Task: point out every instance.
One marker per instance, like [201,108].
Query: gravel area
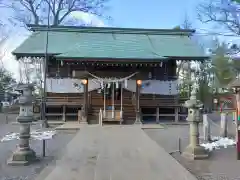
[222,164]
[54,148]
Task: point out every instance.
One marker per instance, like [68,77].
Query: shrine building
[111,74]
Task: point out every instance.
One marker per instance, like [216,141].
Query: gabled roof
[114,43]
[234,84]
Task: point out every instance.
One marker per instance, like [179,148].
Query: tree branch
[221,13]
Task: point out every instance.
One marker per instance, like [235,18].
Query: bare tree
[3,39]
[185,25]
[31,71]
[221,12]
[6,79]
[36,11]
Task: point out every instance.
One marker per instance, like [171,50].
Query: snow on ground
[218,142]
[35,135]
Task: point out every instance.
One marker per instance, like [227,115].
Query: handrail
[100,117]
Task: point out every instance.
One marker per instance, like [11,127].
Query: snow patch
[35,135]
[218,142]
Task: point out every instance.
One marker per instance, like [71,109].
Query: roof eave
[20,55]
[189,58]
[112,59]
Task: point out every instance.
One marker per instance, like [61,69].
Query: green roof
[113,43]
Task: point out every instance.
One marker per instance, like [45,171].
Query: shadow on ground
[222,163]
[54,149]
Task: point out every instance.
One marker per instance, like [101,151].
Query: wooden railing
[64,101]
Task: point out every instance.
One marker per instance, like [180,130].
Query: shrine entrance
[112,101]
[112,93]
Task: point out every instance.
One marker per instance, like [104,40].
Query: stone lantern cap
[193,103]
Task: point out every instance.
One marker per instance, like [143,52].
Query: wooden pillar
[104,101]
[138,117]
[85,102]
[113,101]
[64,113]
[157,115]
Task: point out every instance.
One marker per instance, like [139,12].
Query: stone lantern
[24,155]
[194,150]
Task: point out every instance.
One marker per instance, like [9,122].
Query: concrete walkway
[76,126]
[115,153]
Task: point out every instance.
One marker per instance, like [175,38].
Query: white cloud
[8,60]
[75,18]
[87,18]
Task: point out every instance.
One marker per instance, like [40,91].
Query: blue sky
[151,13]
[131,13]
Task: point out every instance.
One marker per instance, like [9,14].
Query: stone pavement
[76,126]
[115,153]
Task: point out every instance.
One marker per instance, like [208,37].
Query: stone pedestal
[138,118]
[206,128]
[223,131]
[83,119]
[194,150]
[24,155]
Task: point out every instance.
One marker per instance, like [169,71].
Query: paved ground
[222,164]
[115,153]
[54,148]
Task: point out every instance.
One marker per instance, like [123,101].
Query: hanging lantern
[84,81]
[139,82]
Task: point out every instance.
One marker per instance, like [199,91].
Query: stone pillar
[176,114]
[158,114]
[64,113]
[138,116]
[223,130]
[206,128]
[24,155]
[5,106]
[85,102]
[194,150]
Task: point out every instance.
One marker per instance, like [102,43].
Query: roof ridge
[84,29]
